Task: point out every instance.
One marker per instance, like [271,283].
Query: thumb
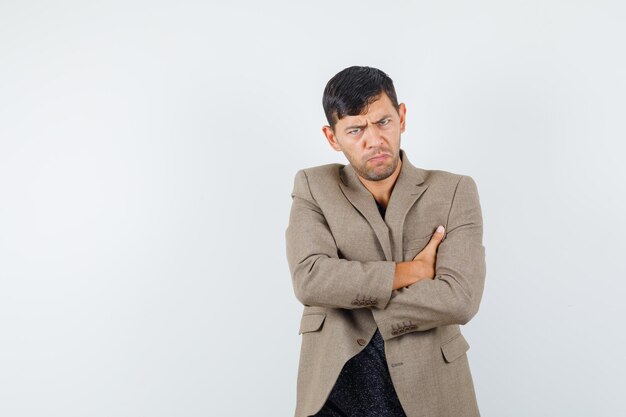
[438,236]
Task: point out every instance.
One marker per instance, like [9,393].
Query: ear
[402,114]
[332,139]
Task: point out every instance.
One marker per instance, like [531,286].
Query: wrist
[404,275]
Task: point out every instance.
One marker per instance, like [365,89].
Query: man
[384,289]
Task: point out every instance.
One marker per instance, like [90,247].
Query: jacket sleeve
[454,295]
[319,276]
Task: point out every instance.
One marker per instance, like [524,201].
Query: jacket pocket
[311,322]
[454,348]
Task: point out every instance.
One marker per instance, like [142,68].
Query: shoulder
[438,176]
[449,183]
[309,180]
[320,173]
[323,171]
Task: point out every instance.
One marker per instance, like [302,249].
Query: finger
[437,236]
[433,243]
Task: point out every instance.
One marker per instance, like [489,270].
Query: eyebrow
[359,126]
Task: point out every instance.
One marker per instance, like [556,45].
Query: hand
[428,256]
[422,266]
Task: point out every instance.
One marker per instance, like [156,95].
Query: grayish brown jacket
[342,256]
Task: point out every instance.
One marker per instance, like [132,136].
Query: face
[371,141]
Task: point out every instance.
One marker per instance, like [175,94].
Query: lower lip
[379,158]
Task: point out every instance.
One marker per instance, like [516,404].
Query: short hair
[352,90]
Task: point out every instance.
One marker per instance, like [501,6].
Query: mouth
[379,158]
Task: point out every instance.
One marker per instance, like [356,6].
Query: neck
[381,190]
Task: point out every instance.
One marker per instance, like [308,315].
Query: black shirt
[364,386]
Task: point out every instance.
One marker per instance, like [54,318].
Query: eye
[353,132]
[385,122]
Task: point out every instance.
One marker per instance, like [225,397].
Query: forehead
[375,111]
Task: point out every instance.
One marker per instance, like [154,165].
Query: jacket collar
[408,187]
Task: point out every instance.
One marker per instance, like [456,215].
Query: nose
[372,137]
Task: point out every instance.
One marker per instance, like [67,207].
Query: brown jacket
[342,256]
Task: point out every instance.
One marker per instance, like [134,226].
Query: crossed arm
[321,278]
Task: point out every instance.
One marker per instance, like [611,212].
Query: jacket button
[361,342]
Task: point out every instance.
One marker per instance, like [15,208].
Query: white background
[147,156]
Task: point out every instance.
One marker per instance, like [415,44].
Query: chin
[380,174]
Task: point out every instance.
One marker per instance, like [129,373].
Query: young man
[383,285]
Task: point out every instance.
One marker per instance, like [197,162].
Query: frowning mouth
[378,158]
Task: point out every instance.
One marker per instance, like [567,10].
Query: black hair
[352,90]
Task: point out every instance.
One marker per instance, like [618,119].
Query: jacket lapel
[407,189]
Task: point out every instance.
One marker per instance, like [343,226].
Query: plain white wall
[147,155]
